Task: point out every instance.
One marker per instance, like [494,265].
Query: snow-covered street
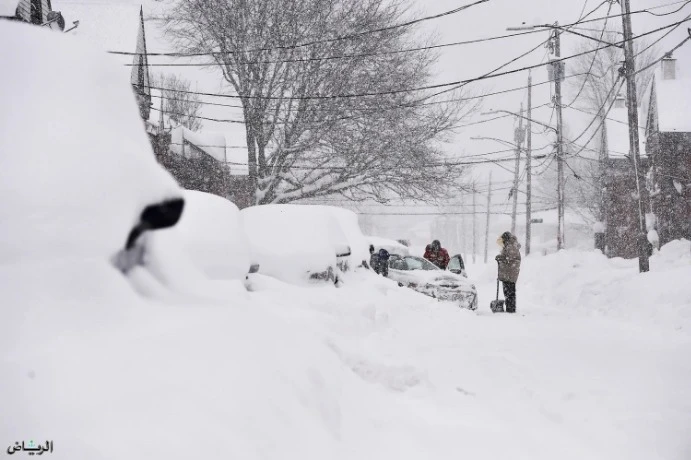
[370,370]
[266,230]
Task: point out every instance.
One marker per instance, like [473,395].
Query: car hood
[435,277]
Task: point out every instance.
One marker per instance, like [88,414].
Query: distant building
[620,201]
[200,161]
[666,108]
[622,226]
[197,160]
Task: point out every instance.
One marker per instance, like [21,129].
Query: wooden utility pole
[460,229]
[630,72]
[489,203]
[558,73]
[528,172]
[518,139]
[474,223]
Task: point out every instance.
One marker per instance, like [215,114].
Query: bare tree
[593,90]
[597,72]
[318,123]
[181,107]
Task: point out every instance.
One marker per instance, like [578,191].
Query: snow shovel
[497,306]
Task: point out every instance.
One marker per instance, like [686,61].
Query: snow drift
[73,176]
[211,234]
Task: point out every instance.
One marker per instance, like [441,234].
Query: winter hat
[506,236]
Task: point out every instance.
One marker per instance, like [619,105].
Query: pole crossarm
[564,29]
[491,112]
[496,139]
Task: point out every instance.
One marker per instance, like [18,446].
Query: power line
[592,62]
[584,147]
[669,12]
[441,213]
[408,90]
[311,59]
[327,40]
[393,107]
[668,53]
[466,42]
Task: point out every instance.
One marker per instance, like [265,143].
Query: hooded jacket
[509,260]
[439,258]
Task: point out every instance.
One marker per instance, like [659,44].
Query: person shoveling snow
[509,261]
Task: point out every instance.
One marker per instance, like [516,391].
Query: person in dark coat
[373,258]
[382,262]
[437,255]
[509,261]
[379,261]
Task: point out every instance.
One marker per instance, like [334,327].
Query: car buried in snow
[423,276]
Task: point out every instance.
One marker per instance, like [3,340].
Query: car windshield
[411,263]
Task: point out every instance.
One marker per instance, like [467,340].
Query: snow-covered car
[391,246]
[78,184]
[210,235]
[423,276]
[297,243]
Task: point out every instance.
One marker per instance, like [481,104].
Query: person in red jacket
[437,255]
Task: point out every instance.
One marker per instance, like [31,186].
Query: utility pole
[558,74]
[489,203]
[518,139]
[528,153]
[474,222]
[460,229]
[600,231]
[630,71]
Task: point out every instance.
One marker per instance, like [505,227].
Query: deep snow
[369,370]
[595,364]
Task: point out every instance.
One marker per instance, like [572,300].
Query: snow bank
[211,234]
[587,282]
[291,241]
[73,181]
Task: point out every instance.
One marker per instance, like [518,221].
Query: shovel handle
[497,280]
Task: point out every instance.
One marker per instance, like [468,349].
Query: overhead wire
[592,62]
[408,90]
[466,42]
[321,40]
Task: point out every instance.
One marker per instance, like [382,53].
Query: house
[39,12]
[620,203]
[622,218]
[203,161]
[197,160]
[666,108]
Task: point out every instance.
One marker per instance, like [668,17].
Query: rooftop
[673,98]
